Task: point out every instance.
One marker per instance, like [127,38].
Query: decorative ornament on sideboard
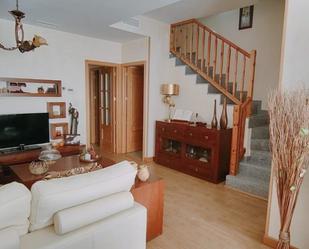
[21,44]
[169,90]
[214,122]
[223,119]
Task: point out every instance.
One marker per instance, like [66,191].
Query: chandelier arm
[8,49]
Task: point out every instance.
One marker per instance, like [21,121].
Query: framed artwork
[56,109]
[246,17]
[57,130]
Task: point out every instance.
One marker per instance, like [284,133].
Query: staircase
[228,69]
[254,171]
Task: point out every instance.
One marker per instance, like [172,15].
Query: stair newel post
[208,53]
[242,82]
[215,59]
[221,62]
[228,65]
[203,51]
[235,72]
[252,73]
[235,140]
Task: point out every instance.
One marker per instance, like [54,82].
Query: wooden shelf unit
[194,150]
[38,82]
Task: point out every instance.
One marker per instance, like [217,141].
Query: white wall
[158,34]
[63,59]
[136,50]
[265,36]
[294,72]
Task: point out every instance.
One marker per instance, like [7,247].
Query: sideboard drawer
[200,137]
[198,168]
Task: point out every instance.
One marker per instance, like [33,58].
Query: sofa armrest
[70,219]
[9,239]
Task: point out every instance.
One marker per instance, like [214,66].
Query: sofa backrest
[49,197]
[15,201]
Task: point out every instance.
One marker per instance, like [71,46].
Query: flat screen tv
[23,129]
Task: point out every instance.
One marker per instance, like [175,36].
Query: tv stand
[32,153]
[21,148]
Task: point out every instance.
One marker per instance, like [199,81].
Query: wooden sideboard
[194,150]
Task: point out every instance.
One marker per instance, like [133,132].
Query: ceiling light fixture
[23,46]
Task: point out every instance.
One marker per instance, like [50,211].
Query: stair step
[171,55]
[261,132]
[259,158]
[179,62]
[248,184]
[260,144]
[201,80]
[189,70]
[256,106]
[252,170]
[261,119]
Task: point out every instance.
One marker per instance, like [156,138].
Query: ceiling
[187,9]
[85,17]
[93,17]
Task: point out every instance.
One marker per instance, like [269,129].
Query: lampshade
[170,89]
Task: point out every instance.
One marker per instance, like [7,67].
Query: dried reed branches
[289,138]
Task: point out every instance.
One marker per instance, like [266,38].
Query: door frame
[119,107]
[145,105]
[89,63]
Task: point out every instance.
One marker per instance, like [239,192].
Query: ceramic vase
[143,173]
[214,122]
[223,119]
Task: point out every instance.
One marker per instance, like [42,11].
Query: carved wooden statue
[74,119]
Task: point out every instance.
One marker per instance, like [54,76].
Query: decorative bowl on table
[50,156]
[38,167]
[86,159]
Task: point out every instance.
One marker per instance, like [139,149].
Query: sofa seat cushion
[49,197]
[9,238]
[15,201]
[124,230]
[85,214]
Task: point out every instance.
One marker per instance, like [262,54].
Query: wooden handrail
[214,33]
[229,60]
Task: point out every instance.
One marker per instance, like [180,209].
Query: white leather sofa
[90,211]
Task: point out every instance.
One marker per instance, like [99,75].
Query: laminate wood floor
[202,215]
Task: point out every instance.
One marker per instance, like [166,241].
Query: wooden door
[134,97]
[94,107]
[106,109]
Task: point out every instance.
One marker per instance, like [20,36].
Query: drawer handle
[175,131]
[206,137]
[163,129]
[196,169]
[190,134]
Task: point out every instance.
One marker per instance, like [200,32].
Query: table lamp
[169,90]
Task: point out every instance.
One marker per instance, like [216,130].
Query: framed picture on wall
[56,109]
[246,17]
[58,130]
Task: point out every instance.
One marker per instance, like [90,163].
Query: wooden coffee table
[23,175]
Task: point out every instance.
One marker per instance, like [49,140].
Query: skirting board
[271,242]
[147,159]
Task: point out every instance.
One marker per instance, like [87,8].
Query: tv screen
[27,129]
